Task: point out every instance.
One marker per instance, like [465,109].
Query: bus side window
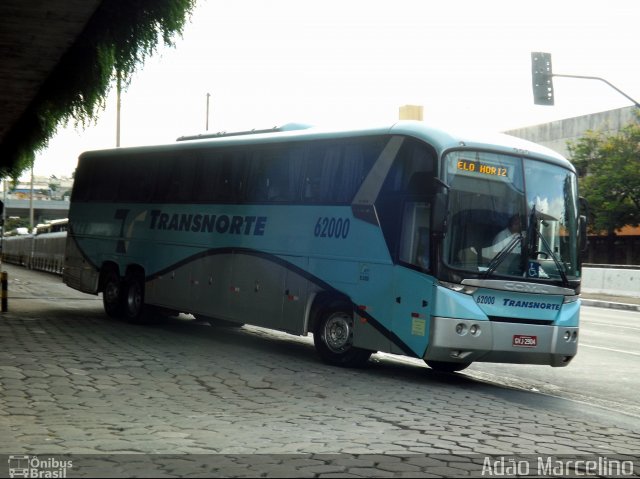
[268,179]
[407,189]
[278,176]
[139,180]
[414,241]
[275,174]
[313,174]
[220,178]
[205,179]
[349,174]
[104,181]
[81,184]
[296,158]
[224,181]
[413,159]
[255,177]
[176,177]
[335,171]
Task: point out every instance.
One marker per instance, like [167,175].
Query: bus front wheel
[333,338]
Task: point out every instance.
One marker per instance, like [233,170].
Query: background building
[555,135]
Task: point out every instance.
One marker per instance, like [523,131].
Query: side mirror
[582,225]
[584,241]
[440,212]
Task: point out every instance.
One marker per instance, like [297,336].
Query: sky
[353,62]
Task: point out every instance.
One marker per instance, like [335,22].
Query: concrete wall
[555,134]
[613,281]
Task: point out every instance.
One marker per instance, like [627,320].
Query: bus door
[413,286]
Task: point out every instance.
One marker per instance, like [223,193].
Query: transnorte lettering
[530,304]
[199,223]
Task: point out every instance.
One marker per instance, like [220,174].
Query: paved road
[250,402]
[605,371]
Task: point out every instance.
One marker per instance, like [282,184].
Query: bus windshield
[511,216]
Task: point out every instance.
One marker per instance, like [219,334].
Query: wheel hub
[339,333]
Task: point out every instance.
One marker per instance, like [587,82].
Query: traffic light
[541,76]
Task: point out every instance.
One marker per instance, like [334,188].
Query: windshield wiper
[530,249]
[529,245]
[559,266]
[502,255]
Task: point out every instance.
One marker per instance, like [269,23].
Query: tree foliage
[119,37]
[609,168]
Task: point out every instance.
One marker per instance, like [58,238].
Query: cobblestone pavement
[182,398]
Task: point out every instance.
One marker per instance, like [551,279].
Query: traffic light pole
[542,75]
[602,80]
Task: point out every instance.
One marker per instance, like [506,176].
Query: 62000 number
[332,227]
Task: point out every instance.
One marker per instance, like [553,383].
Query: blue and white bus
[385,239]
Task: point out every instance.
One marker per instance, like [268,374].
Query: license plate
[524,341]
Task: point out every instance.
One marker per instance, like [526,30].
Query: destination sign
[482,168]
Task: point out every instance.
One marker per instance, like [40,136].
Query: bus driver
[502,239]
[500,242]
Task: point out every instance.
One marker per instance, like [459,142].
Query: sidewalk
[627,303]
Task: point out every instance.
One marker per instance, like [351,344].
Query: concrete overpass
[43,210]
[53,65]
[33,38]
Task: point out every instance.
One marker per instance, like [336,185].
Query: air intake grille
[501,319]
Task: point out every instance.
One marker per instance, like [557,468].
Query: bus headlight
[460,288]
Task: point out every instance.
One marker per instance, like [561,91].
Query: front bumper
[466,341]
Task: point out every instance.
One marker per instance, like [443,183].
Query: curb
[610,305]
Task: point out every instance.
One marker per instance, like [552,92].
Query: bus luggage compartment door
[256,291]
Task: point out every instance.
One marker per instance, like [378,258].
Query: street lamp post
[207,121]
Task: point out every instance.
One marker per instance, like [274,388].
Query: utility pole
[118,91]
[31,203]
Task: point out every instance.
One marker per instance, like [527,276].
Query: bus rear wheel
[112,294]
[133,300]
[333,338]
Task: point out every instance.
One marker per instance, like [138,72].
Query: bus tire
[112,295]
[447,367]
[333,337]
[133,298]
